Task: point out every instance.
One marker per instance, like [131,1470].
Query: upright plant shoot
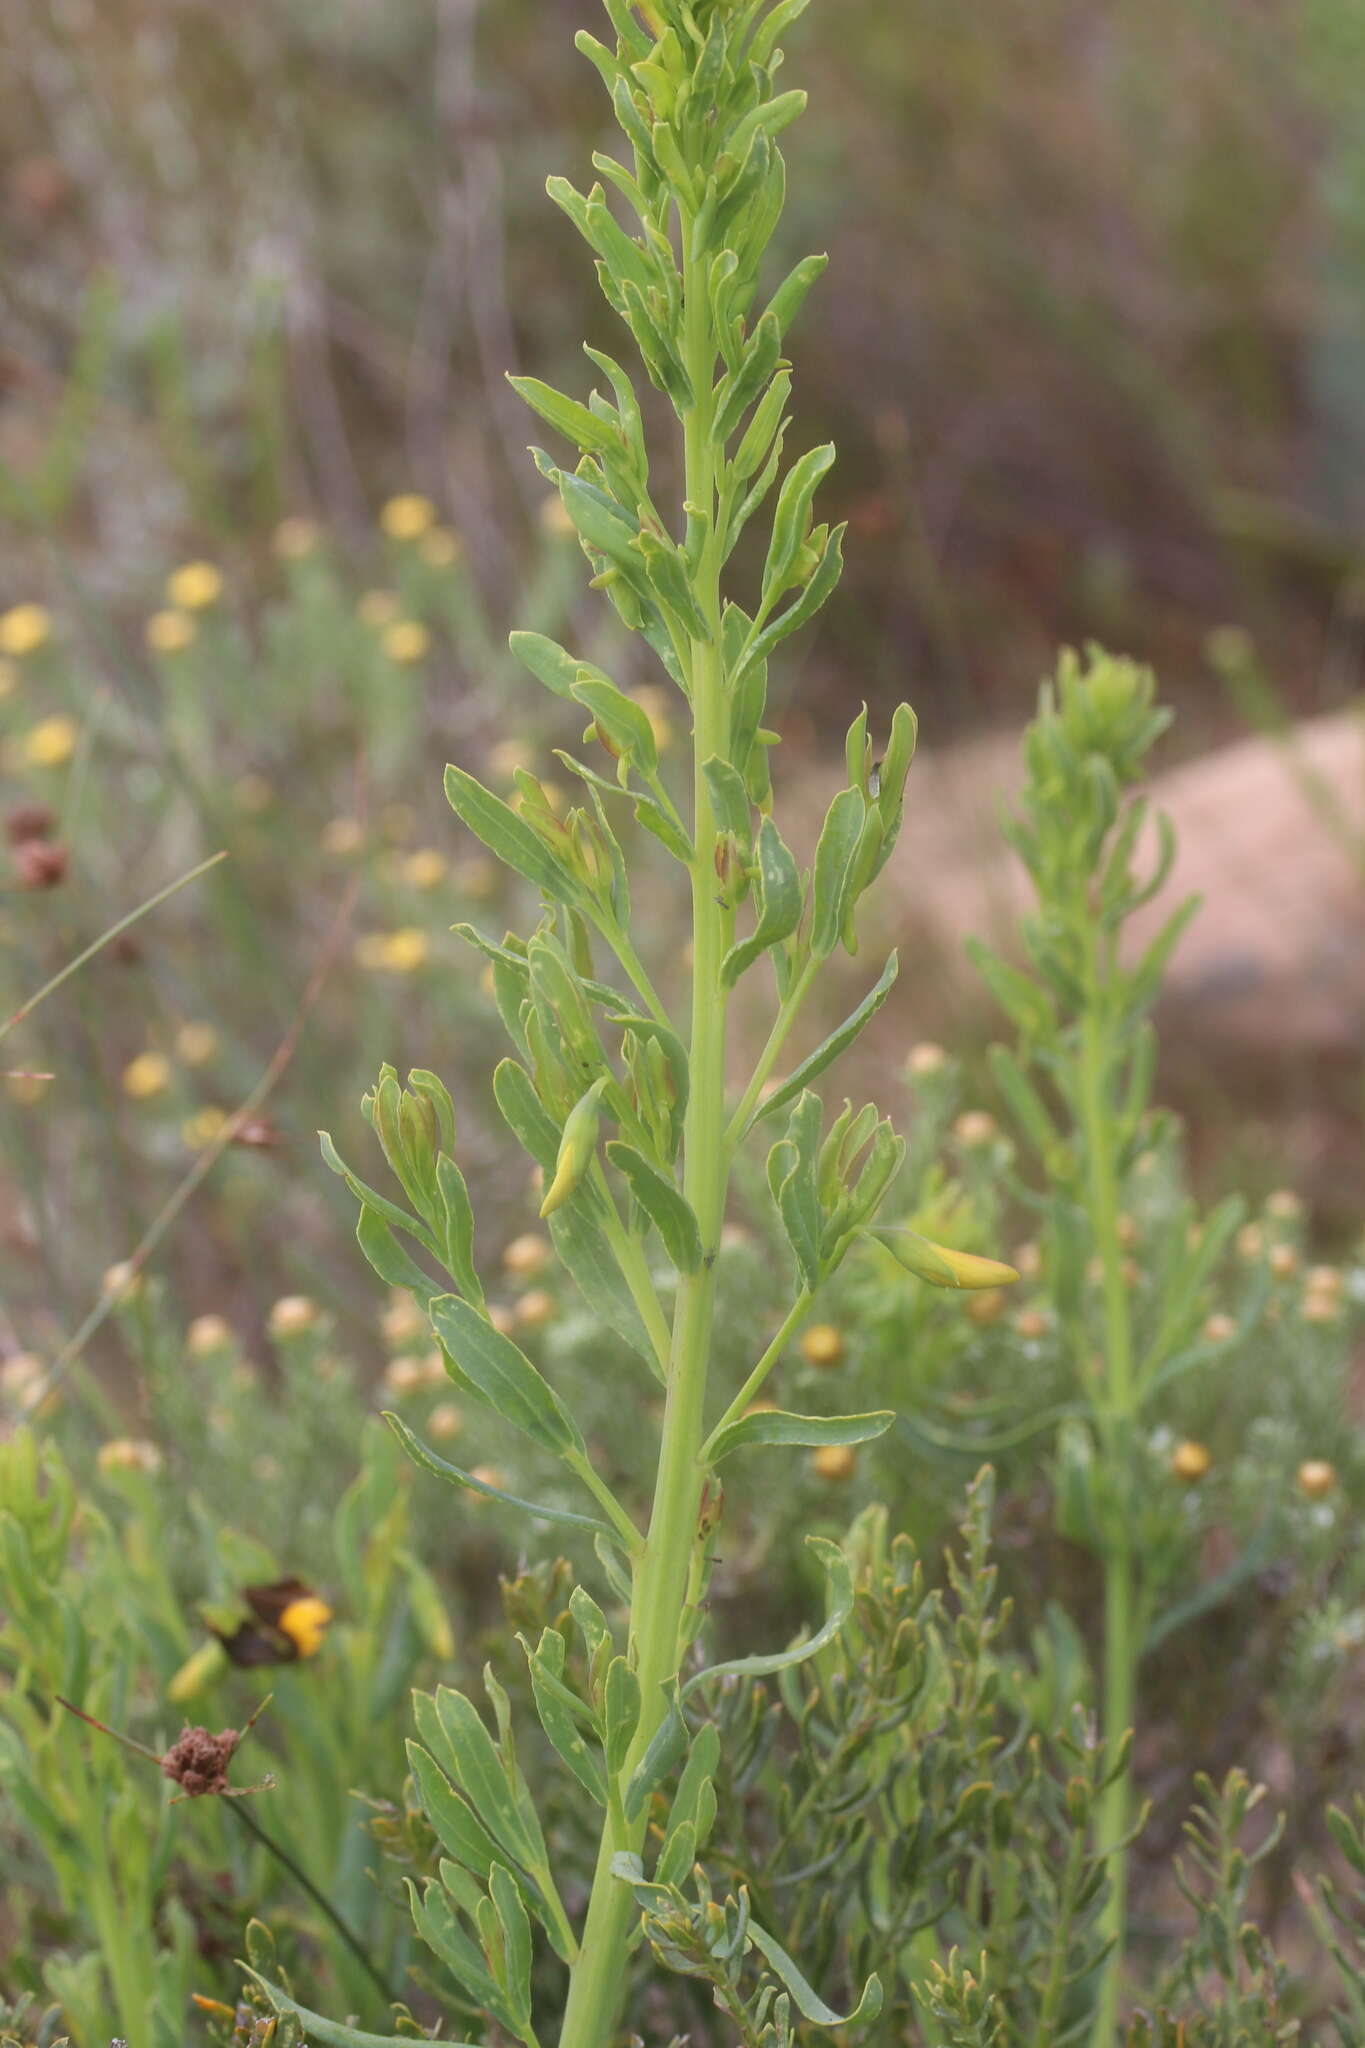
[623,1106]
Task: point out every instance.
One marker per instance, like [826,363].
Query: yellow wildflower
[195,586]
[147,1075]
[424,868]
[1190,1461]
[441,549]
[406,641]
[169,632]
[50,743]
[408,516]
[24,629]
[292,1314]
[400,952]
[294,538]
[196,1044]
[822,1345]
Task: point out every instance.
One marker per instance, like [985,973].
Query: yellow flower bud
[1219,1328]
[343,835]
[576,1148]
[196,1044]
[526,1254]
[440,549]
[926,1058]
[1190,1461]
[940,1265]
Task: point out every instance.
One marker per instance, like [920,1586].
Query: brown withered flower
[198,1762]
[29,821]
[39,863]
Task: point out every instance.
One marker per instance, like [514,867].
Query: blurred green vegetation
[1089,345]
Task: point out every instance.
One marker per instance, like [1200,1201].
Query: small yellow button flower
[406,641]
[445,1421]
[400,952]
[147,1075]
[834,1463]
[343,836]
[408,516]
[200,1130]
[424,868]
[196,1044]
[207,1334]
[525,1255]
[195,586]
[169,632]
[1316,1478]
[128,1454]
[377,608]
[24,629]
[1191,1461]
[122,1280]
[822,1345]
[50,743]
[402,1319]
[441,549]
[295,538]
[292,1314]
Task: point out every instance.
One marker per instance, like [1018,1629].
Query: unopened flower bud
[576,1148]
[941,1266]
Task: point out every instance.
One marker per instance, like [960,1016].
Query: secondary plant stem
[1120,1635]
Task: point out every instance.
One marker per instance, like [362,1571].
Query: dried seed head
[40,864]
[198,1761]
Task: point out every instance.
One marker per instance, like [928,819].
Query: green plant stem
[661,1581]
[796,1315]
[767,1059]
[1114,1816]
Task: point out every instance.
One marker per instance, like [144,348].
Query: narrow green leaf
[397,1218]
[547,661]
[793,1179]
[779,903]
[565,415]
[509,838]
[482,1777]
[620,1712]
[388,1258]
[830,1048]
[460,1831]
[668,1743]
[663,1202]
[834,853]
[772,1426]
[556,1707]
[809,2003]
[423,1455]
[491,1368]
[839,1605]
[334,2033]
